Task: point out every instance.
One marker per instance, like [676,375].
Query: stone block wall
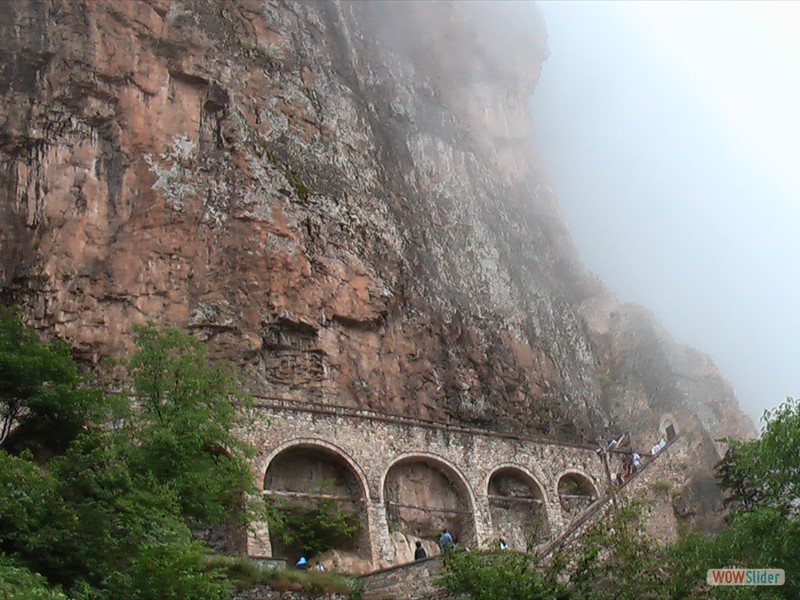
[413,581]
[370,444]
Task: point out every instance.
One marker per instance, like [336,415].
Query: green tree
[496,575]
[616,559]
[763,530]
[112,516]
[44,403]
[183,424]
[35,522]
[312,529]
[765,472]
[17,582]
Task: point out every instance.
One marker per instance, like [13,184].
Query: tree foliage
[311,526]
[44,403]
[497,575]
[20,583]
[765,473]
[109,511]
[184,421]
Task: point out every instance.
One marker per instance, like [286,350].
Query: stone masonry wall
[416,580]
[371,444]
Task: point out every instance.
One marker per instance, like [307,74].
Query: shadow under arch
[424,494]
[517,504]
[668,427]
[576,492]
[304,475]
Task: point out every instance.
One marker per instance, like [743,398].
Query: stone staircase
[598,509]
[412,581]
[415,581]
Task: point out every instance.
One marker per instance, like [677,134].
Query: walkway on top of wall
[362,413]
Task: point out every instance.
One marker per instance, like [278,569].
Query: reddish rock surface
[340,197]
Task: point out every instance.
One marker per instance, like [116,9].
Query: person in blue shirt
[446,541]
[301,564]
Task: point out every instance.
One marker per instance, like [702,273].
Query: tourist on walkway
[446,542]
[420,553]
[302,563]
[627,469]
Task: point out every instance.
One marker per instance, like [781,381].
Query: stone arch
[303,474]
[576,492]
[668,427]
[517,505]
[424,493]
[312,442]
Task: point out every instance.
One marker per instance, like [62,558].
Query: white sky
[672,134]
[743,60]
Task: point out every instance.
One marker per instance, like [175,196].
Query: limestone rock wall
[341,197]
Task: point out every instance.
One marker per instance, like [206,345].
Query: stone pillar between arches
[484,529]
[258,542]
[555,518]
[381,547]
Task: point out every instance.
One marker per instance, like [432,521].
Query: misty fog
[661,128]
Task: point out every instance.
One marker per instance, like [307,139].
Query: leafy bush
[19,583]
[496,575]
[311,529]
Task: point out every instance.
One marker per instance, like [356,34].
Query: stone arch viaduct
[372,447]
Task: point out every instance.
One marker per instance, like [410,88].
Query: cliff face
[340,197]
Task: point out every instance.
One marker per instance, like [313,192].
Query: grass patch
[662,486]
[245,573]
